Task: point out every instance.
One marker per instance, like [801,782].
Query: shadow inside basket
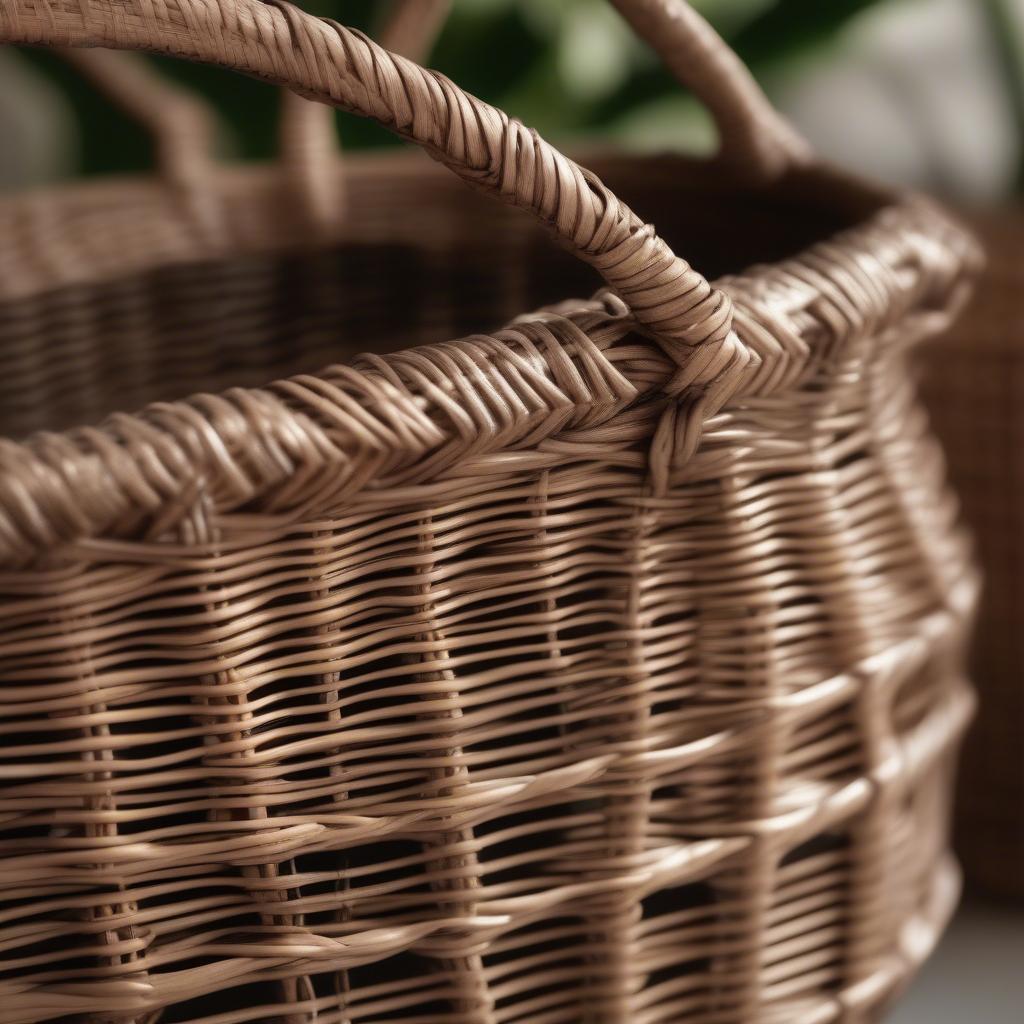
[420,259]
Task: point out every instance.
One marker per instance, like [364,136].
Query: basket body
[972,390]
[444,714]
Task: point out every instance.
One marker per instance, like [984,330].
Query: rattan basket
[605,666]
[972,389]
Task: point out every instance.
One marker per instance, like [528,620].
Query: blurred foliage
[566,67]
[1008,46]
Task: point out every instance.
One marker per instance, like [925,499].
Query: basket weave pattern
[604,667]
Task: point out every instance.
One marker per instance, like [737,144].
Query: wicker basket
[972,388]
[602,667]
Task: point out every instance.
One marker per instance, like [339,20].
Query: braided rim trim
[388,422]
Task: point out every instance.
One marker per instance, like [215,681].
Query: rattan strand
[581,670]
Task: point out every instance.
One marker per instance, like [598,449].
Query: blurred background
[928,93]
[925,92]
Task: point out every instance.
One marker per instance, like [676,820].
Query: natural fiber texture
[972,385]
[602,667]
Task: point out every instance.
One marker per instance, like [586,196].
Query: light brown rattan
[972,389]
[602,667]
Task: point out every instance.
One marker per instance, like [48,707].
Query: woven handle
[309,142]
[753,138]
[181,125]
[326,61]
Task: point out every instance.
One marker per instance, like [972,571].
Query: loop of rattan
[500,156]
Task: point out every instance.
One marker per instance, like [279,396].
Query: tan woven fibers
[971,382]
[602,667]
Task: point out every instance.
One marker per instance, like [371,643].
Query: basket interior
[423,259]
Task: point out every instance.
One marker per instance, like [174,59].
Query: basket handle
[754,139]
[326,61]
[181,125]
[309,144]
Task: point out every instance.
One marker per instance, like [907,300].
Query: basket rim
[49,207]
[398,421]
